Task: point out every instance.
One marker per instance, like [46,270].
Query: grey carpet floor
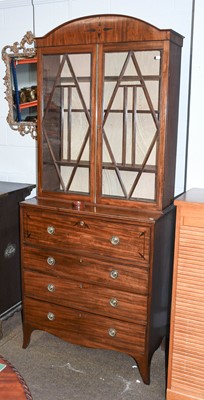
[56,370]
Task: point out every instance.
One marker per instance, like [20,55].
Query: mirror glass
[21,85]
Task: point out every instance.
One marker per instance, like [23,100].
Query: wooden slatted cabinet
[186,360]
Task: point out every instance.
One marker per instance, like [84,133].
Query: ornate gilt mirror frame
[26,49]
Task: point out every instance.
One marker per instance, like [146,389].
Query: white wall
[18,154]
[195,170]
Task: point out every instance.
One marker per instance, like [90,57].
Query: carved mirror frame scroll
[26,48]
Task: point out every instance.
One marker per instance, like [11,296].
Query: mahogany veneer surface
[83,288]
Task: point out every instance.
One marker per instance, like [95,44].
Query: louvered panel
[188,342]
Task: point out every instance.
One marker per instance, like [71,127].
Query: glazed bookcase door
[108,112]
[130,125]
[68,94]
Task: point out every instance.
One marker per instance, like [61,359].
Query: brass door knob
[50,230]
[51,287]
[114,274]
[115,240]
[113,302]
[112,332]
[51,316]
[51,261]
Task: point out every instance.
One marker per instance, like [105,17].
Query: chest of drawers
[11,193]
[97,278]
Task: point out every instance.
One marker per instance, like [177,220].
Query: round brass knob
[51,261]
[81,223]
[113,302]
[112,332]
[114,274]
[115,240]
[50,230]
[51,316]
[51,287]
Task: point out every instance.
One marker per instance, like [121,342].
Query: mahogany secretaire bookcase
[97,242]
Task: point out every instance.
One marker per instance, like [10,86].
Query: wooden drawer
[124,277]
[100,237]
[87,297]
[85,328]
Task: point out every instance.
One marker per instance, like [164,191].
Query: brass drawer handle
[51,261]
[51,316]
[81,223]
[114,274]
[115,240]
[112,332]
[50,230]
[51,287]
[113,302]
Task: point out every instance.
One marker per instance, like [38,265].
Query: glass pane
[131,124]
[145,189]
[66,122]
